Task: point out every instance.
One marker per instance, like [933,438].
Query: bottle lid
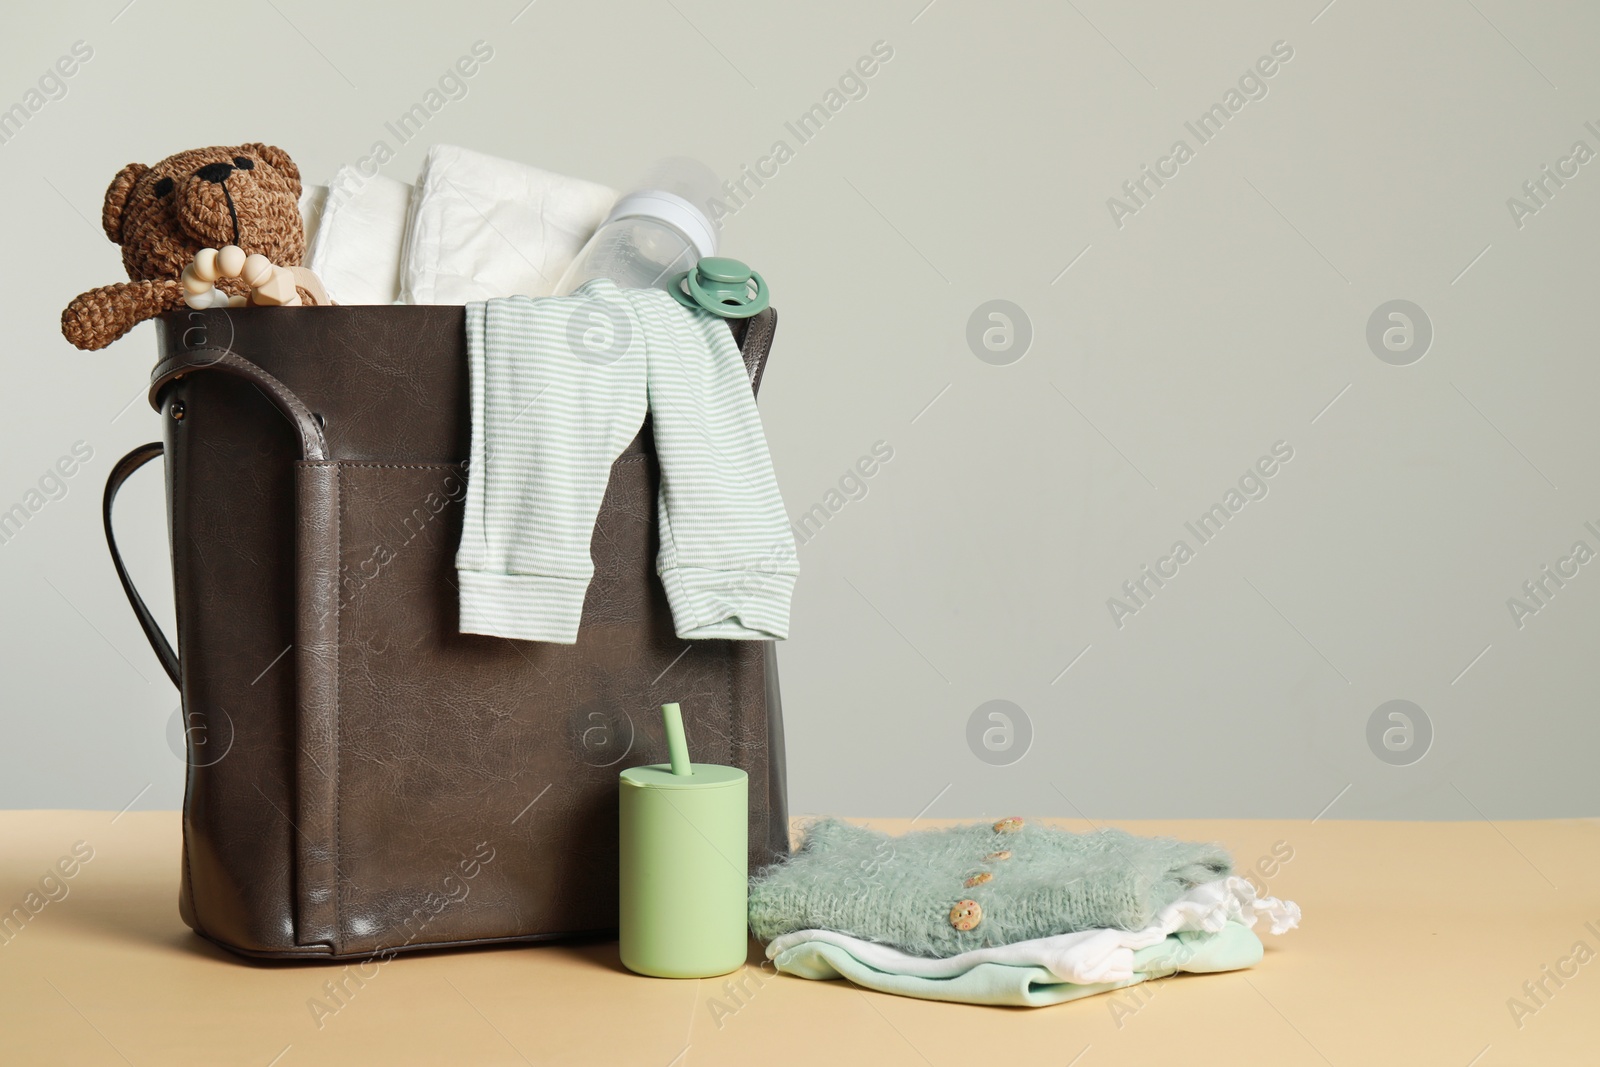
[673,210]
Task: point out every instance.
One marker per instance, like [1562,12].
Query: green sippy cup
[684,868]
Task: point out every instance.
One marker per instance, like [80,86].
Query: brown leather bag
[362,778]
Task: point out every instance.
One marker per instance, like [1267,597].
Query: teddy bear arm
[97,318]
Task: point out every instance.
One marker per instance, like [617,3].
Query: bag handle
[313,446]
[147,621]
[754,337]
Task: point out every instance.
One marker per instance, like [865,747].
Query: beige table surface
[1415,937]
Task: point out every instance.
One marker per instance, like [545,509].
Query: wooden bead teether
[270,285]
[230,261]
[205,264]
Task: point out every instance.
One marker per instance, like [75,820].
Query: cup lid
[705,776]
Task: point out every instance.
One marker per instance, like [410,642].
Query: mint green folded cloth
[1196,952]
[1011,880]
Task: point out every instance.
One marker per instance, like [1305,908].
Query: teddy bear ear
[117,199]
[278,158]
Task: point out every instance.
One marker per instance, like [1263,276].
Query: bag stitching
[338,641]
[336,528]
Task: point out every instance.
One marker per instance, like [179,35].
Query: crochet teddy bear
[241,195]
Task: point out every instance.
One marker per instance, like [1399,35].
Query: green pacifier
[721,286]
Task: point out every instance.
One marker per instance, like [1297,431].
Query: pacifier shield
[721,286]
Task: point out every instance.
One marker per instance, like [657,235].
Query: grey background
[1226,315]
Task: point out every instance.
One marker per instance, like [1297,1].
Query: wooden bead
[277,289]
[210,298]
[257,271]
[230,261]
[205,264]
[306,279]
[192,284]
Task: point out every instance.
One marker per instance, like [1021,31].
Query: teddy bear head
[246,195]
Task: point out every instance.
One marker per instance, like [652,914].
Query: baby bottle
[650,235]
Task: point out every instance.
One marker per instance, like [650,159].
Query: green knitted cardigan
[1026,880]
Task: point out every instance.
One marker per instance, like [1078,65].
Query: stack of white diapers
[474,227]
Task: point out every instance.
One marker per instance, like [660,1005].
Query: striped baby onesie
[559,387]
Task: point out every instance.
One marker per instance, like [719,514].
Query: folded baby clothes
[558,388]
[1086,957]
[483,228]
[945,891]
[1197,952]
[356,249]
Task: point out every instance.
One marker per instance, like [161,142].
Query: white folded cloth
[355,249]
[312,200]
[483,227]
[1088,957]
